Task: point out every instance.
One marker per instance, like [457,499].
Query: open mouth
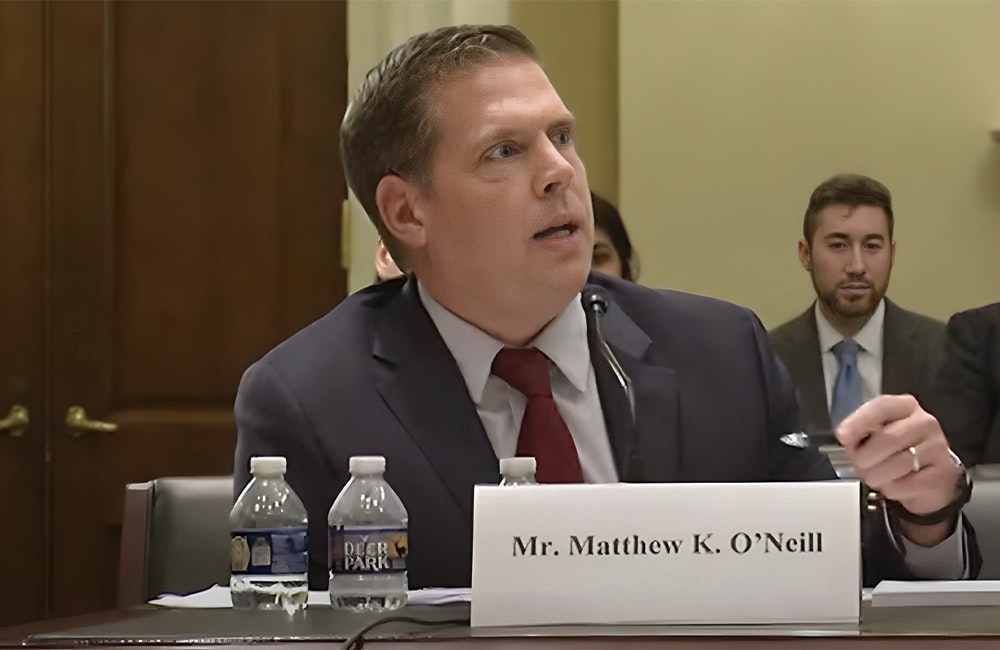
[565,230]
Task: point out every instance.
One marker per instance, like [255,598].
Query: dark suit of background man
[966,398]
[848,250]
[464,155]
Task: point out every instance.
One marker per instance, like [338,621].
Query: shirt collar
[564,341]
[869,337]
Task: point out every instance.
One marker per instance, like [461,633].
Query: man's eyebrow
[567,120]
[511,133]
[842,235]
[497,134]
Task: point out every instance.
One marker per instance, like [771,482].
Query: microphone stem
[631,470]
[623,379]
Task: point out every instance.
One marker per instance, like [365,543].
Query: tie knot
[525,369]
[847,351]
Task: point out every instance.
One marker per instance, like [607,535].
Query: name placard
[688,553]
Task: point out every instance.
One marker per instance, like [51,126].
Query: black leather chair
[175,537]
[984,512]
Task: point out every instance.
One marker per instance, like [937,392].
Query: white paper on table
[217,597]
[212,598]
[897,593]
[439,596]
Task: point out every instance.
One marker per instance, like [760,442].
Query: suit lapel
[902,354]
[422,385]
[656,400]
[805,363]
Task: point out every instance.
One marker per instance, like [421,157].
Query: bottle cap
[268,465]
[367,464]
[517,466]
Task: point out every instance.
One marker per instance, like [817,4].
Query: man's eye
[503,151]
[562,138]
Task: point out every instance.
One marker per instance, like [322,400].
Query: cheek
[884,266]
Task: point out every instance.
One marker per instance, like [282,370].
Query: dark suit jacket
[912,351]
[966,399]
[374,377]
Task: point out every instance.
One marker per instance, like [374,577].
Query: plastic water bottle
[368,541]
[519,470]
[269,551]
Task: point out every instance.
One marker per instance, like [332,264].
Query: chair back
[983,510]
[175,537]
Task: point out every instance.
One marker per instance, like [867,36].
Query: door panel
[197,194]
[22,286]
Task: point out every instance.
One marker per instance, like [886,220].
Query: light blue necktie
[847,389]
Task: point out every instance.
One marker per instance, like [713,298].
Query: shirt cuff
[944,561]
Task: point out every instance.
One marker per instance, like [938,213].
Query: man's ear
[805,258]
[395,197]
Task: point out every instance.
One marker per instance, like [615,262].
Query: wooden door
[22,286]
[194,194]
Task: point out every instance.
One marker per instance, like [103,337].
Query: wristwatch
[948,512]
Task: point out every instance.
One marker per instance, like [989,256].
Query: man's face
[849,259]
[508,222]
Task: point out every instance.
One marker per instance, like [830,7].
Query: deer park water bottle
[269,551]
[368,541]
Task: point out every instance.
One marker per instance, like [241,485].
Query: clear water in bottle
[519,470]
[368,541]
[269,550]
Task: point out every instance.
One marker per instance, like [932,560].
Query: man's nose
[555,170]
[856,263]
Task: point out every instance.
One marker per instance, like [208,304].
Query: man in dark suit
[463,154]
[848,250]
[966,398]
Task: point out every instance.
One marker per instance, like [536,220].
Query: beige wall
[731,112]
[581,61]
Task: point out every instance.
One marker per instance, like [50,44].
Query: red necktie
[543,432]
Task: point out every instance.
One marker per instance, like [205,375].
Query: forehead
[509,94]
[860,220]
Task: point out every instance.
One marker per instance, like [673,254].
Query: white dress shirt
[869,356]
[501,407]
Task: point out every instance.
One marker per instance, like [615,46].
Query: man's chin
[855,309]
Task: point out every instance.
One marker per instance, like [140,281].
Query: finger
[872,415]
[893,468]
[888,441]
[917,491]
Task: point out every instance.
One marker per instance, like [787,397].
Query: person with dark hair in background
[464,156]
[966,395]
[853,343]
[613,254]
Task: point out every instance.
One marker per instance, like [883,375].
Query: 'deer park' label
[355,549]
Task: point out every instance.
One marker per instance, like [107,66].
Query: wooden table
[885,627]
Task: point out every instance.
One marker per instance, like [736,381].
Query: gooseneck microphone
[595,305]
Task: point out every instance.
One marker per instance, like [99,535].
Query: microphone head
[594,299]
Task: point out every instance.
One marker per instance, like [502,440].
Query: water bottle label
[355,550]
[269,551]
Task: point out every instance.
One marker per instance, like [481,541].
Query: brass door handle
[16,422]
[80,425]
